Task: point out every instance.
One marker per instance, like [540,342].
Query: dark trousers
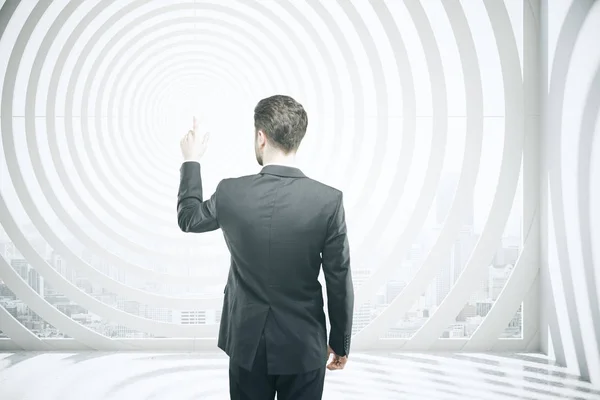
[257,384]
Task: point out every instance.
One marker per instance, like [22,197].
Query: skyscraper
[498,276]
[21,266]
[362,312]
[35,281]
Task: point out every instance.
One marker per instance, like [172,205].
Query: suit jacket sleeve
[194,214]
[338,279]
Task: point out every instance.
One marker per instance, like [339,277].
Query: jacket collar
[282,170]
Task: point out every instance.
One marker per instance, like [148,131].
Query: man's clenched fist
[337,362]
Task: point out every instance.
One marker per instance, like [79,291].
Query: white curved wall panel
[419,111]
[570,274]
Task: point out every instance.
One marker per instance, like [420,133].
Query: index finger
[195,124]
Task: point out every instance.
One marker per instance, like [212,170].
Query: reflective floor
[166,376]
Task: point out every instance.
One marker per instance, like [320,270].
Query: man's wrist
[191,160]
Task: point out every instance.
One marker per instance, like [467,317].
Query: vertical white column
[531,148]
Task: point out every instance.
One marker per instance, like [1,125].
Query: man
[279,226]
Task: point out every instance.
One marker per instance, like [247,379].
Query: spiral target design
[95,95]
[204,376]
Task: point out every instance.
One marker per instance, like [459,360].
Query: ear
[262,138]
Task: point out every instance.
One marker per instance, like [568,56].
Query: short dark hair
[283,120]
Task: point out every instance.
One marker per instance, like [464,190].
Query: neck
[289,159]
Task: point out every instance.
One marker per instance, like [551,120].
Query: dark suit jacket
[280,227]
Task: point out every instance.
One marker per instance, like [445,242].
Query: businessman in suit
[280,226]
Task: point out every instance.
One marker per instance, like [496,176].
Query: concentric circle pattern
[204,376]
[418,112]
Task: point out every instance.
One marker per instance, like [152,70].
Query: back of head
[283,120]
